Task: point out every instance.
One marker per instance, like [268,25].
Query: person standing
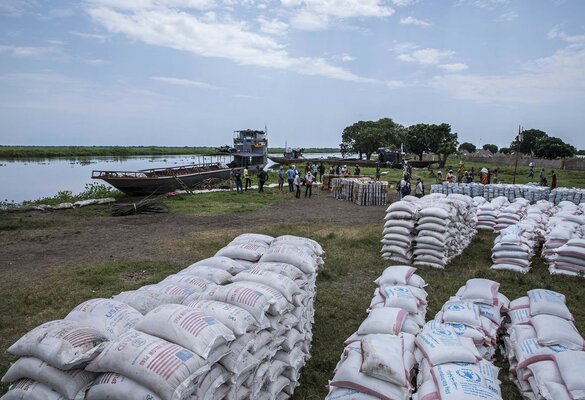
[357,170]
[238,180]
[531,170]
[308,184]
[321,172]
[297,183]
[247,180]
[315,171]
[542,177]
[290,174]
[419,190]
[403,187]
[553,180]
[280,178]
[262,177]
[377,170]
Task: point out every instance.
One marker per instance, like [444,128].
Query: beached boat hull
[139,184]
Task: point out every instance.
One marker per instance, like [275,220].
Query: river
[33,179]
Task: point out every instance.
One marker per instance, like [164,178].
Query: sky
[191,72]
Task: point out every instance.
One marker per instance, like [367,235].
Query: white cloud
[413,21]
[559,77]
[402,3]
[98,37]
[231,40]
[403,47]
[346,57]
[29,51]
[508,16]
[273,26]
[457,67]
[319,14]
[137,5]
[395,84]
[16,8]
[183,82]
[97,61]
[307,21]
[57,13]
[557,33]
[245,96]
[426,56]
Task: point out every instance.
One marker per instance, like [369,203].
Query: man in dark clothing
[553,180]
[262,176]
[238,179]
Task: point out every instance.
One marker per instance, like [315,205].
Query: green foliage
[365,137]
[469,147]
[526,141]
[438,139]
[553,147]
[492,148]
[91,191]
[505,150]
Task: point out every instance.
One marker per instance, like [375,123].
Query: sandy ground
[71,240]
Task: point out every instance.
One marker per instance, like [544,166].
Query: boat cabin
[251,148]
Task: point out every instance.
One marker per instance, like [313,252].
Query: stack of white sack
[399,231]
[565,224]
[343,188]
[454,350]
[574,195]
[378,361]
[515,246]
[53,356]
[251,345]
[444,228]
[544,348]
[370,193]
[569,259]
[487,213]
[511,214]
[531,192]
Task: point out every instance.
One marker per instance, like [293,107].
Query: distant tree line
[365,137]
[533,142]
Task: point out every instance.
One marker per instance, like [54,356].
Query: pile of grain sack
[394,353]
[363,191]
[234,326]
[489,192]
[544,348]
[455,350]
[523,228]
[378,361]
[530,192]
[429,231]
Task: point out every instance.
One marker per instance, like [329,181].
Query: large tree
[492,148]
[527,140]
[553,147]
[442,141]
[365,137]
[468,147]
[416,139]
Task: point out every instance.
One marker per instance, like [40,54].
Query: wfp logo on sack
[459,328]
[442,332]
[401,289]
[468,374]
[456,307]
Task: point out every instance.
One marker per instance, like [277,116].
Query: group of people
[295,181]
[404,187]
[236,177]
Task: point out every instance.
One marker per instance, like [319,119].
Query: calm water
[34,179]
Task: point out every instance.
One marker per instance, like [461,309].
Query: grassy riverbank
[19,152]
[15,152]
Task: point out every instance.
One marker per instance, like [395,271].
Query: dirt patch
[65,239]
